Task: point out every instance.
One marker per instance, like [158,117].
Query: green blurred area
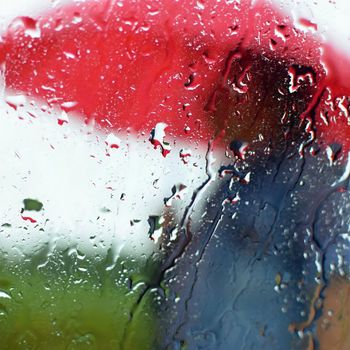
[69,301]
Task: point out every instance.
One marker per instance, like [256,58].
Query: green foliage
[68,301]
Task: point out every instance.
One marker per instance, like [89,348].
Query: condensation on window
[174,175]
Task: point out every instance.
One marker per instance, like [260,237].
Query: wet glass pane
[174,175]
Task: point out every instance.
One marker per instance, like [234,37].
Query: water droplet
[31,26]
[32,204]
[184,155]
[16,101]
[155,227]
[4,295]
[239,148]
[178,193]
[112,141]
[300,76]
[307,24]
[157,138]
